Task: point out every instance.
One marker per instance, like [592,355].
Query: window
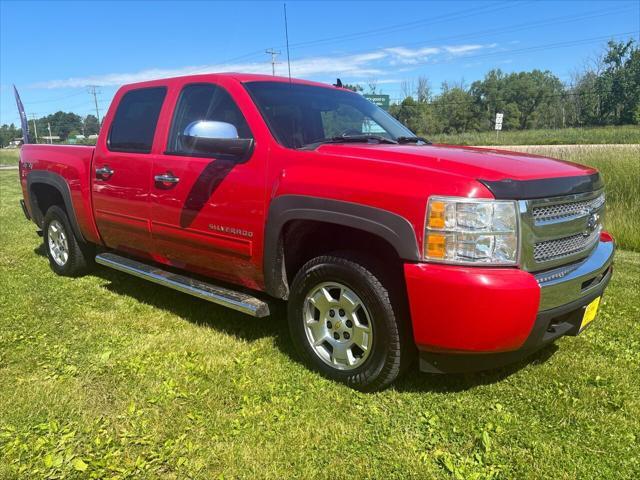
[135,120]
[300,115]
[204,102]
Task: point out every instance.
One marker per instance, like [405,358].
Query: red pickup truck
[386,247]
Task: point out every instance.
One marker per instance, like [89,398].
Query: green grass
[620,168]
[9,156]
[110,376]
[563,136]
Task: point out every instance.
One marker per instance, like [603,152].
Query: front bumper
[469,318]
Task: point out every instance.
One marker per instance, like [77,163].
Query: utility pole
[273,54]
[35,127]
[49,127]
[92,91]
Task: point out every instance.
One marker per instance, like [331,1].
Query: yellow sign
[590,312]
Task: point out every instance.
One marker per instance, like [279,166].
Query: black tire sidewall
[376,299]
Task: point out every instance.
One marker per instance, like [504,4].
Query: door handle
[104,173]
[166,178]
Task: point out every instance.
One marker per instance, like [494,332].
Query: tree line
[607,92]
[63,124]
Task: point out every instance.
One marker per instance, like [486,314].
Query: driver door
[207,209]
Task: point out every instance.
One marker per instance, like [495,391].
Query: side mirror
[217,139]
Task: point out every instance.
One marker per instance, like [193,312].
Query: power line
[54,99]
[492,32]
[534,48]
[392,29]
[457,15]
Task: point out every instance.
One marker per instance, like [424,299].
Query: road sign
[498,126]
[380,100]
[499,121]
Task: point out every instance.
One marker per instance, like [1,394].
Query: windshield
[304,115]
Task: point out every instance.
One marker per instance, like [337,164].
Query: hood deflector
[509,189]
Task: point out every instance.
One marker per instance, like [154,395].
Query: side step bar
[222,296]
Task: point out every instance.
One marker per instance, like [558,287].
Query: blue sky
[52,50]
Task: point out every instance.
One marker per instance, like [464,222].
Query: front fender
[389,226]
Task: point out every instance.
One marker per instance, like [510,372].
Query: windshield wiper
[351,139]
[416,140]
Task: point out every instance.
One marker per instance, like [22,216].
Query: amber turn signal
[436,245]
[436,215]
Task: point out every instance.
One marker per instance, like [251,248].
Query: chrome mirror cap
[210,129]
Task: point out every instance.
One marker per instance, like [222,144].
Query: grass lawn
[9,156]
[110,376]
[620,168]
[561,136]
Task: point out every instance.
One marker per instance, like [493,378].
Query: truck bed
[70,167]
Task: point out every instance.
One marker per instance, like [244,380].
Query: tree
[8,133]
[423,91]
[407,88]
[619,84]
[372,83]
[527,99]
[455,109]
[62,124]
[91,126]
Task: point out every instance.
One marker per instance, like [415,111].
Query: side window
[204,102]
[134,123]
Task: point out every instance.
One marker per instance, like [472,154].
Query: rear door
[209,216]
[122,172]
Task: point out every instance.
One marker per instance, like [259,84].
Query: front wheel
[344,325]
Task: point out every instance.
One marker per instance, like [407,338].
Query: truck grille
[566,210]
[564,247]
[561,230]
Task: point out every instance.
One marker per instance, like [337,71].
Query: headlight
[463,230]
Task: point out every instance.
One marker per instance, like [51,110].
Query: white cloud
[368,64]
[410,56]
[462,49]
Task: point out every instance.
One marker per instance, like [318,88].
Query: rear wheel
[67,256]
[344,325]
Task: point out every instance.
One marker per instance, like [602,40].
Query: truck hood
[471,162]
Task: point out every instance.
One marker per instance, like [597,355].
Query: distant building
[50,139]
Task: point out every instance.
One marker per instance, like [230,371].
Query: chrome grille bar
[564,247]
[560,230]
[567,210]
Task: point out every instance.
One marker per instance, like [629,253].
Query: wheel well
[303,240]
[44,196]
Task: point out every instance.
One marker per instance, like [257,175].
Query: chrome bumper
[569,283]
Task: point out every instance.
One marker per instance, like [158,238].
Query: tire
[319,334]
[67,256]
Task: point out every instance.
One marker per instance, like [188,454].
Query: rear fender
[56,181]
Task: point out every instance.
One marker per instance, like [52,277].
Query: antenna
[286,33]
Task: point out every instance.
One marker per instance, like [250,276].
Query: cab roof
[240,77]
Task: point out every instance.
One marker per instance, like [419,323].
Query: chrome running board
[239,301]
